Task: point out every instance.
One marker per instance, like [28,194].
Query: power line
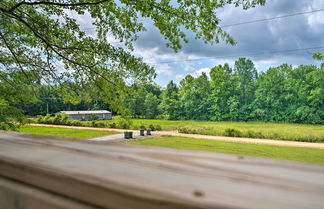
[272,18]
[243,23]
[240,55]
[259,20]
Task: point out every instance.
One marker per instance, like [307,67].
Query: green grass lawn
[64,132]
[287,153]
[283,131]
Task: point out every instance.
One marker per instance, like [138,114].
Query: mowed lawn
[282,131]
[64,132]
[279,152]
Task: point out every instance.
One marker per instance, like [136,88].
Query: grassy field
[64,132]
[295,132]
[267,151]
[282,131]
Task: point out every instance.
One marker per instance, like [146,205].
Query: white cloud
[179,76]
[163,69]
[300,31]
[188,67]
[197,73]
[316,20]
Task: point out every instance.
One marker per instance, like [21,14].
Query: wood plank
[125,176]
[15,195]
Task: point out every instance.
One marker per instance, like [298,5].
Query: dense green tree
[307,85]
[246,76]
[42,37]
[151,106]
[170,105]
[13,91]
[223,87]
[273,95]
[281,94]
[186,103]
[194,93]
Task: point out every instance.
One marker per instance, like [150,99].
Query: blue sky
[303,31]
[281,34]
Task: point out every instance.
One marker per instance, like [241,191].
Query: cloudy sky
[302,31]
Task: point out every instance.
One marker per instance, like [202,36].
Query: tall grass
[283,131]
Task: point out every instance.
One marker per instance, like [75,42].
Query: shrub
[64,118]
[232,132]
[58,118]
[99,124]
[4,126]
[152,127]
[253,134]
[158,128]
[112,125]
[69,122]
[188,130]
[40,119]
[142,127]
[122,122]
[76,123]
[47,119]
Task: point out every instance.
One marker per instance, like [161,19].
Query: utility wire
[255,21]
[272,18]
[243,23]
[239,55]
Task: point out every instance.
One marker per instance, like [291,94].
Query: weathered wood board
[18,195]
[101,175]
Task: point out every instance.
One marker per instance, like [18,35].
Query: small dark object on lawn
[148,131]
[142,132]
[128,134]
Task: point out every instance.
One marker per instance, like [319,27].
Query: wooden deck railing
[51,173]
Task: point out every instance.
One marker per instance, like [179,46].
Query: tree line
[239,93]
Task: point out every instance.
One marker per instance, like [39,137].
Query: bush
[112,125]
[69,123]
[188,130]
[9,126]
[58,118]
[122,122]
[158,128]
[152,127]
[142,127]
[76,123]
[253,134]
[232,132]
[47,119]
[4,126]
[99,124]
[40,119]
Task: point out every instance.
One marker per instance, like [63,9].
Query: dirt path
[207,137]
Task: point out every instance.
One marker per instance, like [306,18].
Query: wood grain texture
[119,176]
[18,195]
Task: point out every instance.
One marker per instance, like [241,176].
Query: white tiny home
[89,115]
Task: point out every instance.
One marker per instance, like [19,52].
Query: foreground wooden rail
[51,173]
